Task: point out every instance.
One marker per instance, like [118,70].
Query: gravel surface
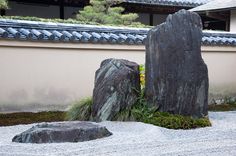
[134,138]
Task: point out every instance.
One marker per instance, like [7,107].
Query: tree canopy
[3,4]
[103,12]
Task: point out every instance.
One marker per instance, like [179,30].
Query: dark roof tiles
[52,32]
[178,3]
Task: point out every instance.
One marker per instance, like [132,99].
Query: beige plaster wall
[233,21]
[222,75]
[49,76]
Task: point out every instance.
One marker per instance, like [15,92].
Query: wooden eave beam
[151,9]
[71,3]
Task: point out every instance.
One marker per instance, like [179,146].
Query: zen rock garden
[176,75]
[176,82]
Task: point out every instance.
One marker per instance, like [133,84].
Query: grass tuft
[80,110]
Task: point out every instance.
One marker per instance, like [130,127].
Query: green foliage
[56,20]
[122,116]
[29,117]
[3,4]
[71,21]
[80,110]
[142,75]
[170,121]
[142,113]
[229,100]
[102,12]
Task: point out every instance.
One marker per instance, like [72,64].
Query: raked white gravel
[134,139]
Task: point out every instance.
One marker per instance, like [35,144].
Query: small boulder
[176,75]
[117,86]
[58,132]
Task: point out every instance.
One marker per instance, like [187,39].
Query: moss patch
[29,117]
[142,113]
[222,107]
[171,121]
[163,119]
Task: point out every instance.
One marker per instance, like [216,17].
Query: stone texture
[74,131]
[176,75]
[117,84]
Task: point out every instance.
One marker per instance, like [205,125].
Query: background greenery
[103,12]
[3,4]
[99,12]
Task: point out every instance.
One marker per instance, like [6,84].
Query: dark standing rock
[62,132]
[176,75]
[117,85]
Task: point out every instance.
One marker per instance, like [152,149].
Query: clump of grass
[80,110]
[29,117]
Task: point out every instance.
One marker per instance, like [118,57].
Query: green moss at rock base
[177,121]
[162,119]
[142,113]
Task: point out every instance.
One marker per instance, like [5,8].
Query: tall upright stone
[176,75]
[117,86]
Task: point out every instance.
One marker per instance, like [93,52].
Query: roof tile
[180,3]
[39,31]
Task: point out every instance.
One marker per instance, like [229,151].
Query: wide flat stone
[176,75]
[58,132]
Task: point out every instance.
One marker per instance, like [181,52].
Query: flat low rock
[58,132]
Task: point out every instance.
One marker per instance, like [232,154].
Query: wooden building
[224,11]
[152,12]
